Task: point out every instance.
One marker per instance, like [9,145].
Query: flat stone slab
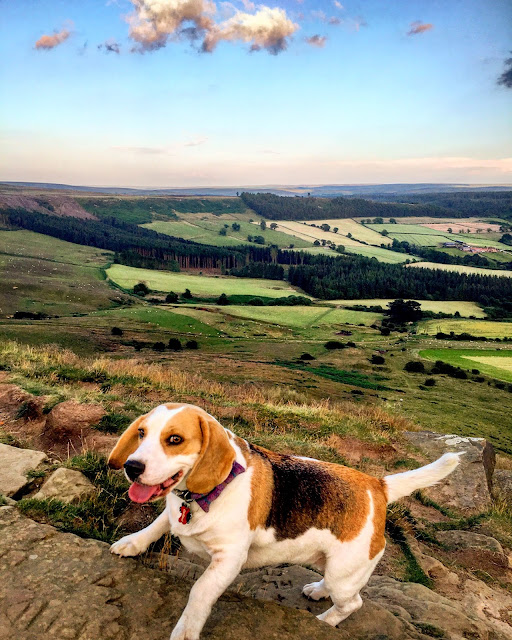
[57,585]
[14,464]
[455,539]
[66,485]
[468,488]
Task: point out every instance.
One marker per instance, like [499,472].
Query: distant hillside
[368,190]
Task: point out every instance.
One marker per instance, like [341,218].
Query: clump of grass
[32,474]
[428,502]
[397,524]
[97,516]
[113,423]
[429,629]
[3,500]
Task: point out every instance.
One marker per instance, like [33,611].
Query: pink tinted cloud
[47,42]
[419,27]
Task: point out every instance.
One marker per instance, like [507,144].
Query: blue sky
[353,92]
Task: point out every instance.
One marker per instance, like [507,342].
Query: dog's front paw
[315,590]
[130,545]
[181,632]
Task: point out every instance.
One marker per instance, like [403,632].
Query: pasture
[419,239]
[501,273]
[199,285]
[480,328]
[303,317]
[471,226]
[206,231]
[358,231]
[496,364]
[465,309]
[43,274]
[382,255]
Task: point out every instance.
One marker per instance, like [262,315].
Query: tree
[263,225]
[378,220]
[175,344]
[235,226]
[400,311]
[258,239]
[335,230]
[187,294]
[192,344]
[349,235]
[340,248]
[392,221]
[171,297]
[256,302]
[377,359]
[316,243]
[159,346]
[384,232]
[116,331]
[141,289]
[414,366]
[450,230]
[325,227]
[223,299]
[223,231]
[273,226]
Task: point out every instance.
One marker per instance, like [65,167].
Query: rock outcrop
[469,488]
[66,485]
[14,465]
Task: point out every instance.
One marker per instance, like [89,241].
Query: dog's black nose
[134,468]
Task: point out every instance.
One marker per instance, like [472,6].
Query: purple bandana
[204,500]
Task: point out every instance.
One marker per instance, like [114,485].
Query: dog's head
[173,445]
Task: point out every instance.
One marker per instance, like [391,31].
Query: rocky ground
[57,584]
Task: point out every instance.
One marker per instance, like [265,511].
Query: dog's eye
[141,433]
[174,439]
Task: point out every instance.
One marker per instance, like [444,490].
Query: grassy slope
[167,281]
[207,232]
[462,269]
[484,328]
[39,273]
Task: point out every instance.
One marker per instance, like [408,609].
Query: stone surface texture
[468,488]
[66,485]
[14,464]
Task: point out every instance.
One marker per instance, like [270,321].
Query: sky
[184,93]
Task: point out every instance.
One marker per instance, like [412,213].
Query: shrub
[187,294]
[159,346]
[385,331]
[116,331]
[377,359]
[351,344]
[171,297]
[306,356]
[223,299]
[255,302]
[175,344]
[192,344]
[430,382]
[414,366]
[141,289]
[334,344]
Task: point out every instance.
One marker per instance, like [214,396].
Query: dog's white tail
[403,484]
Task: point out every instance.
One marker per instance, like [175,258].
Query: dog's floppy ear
[215,458]
[125,446]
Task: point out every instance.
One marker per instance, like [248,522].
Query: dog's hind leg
[344,587]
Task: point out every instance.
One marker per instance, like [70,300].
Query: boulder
[14,465]
[430,613]
[468,488]
[455,539]
[66,485]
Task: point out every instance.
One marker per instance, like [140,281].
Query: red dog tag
[185,514]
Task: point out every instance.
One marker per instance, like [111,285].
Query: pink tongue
[141,492]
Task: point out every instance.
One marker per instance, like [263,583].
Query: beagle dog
[241,506]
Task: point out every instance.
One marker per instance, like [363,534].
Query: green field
[206,231]
[358,231]
[302,317]
[497,364]
[404,228]
[465,309]
[420,239]
[382,255]
[204,286]
[43,274]
[481,328]
[499,273]
[154,316]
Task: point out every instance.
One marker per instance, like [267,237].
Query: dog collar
[204,500]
